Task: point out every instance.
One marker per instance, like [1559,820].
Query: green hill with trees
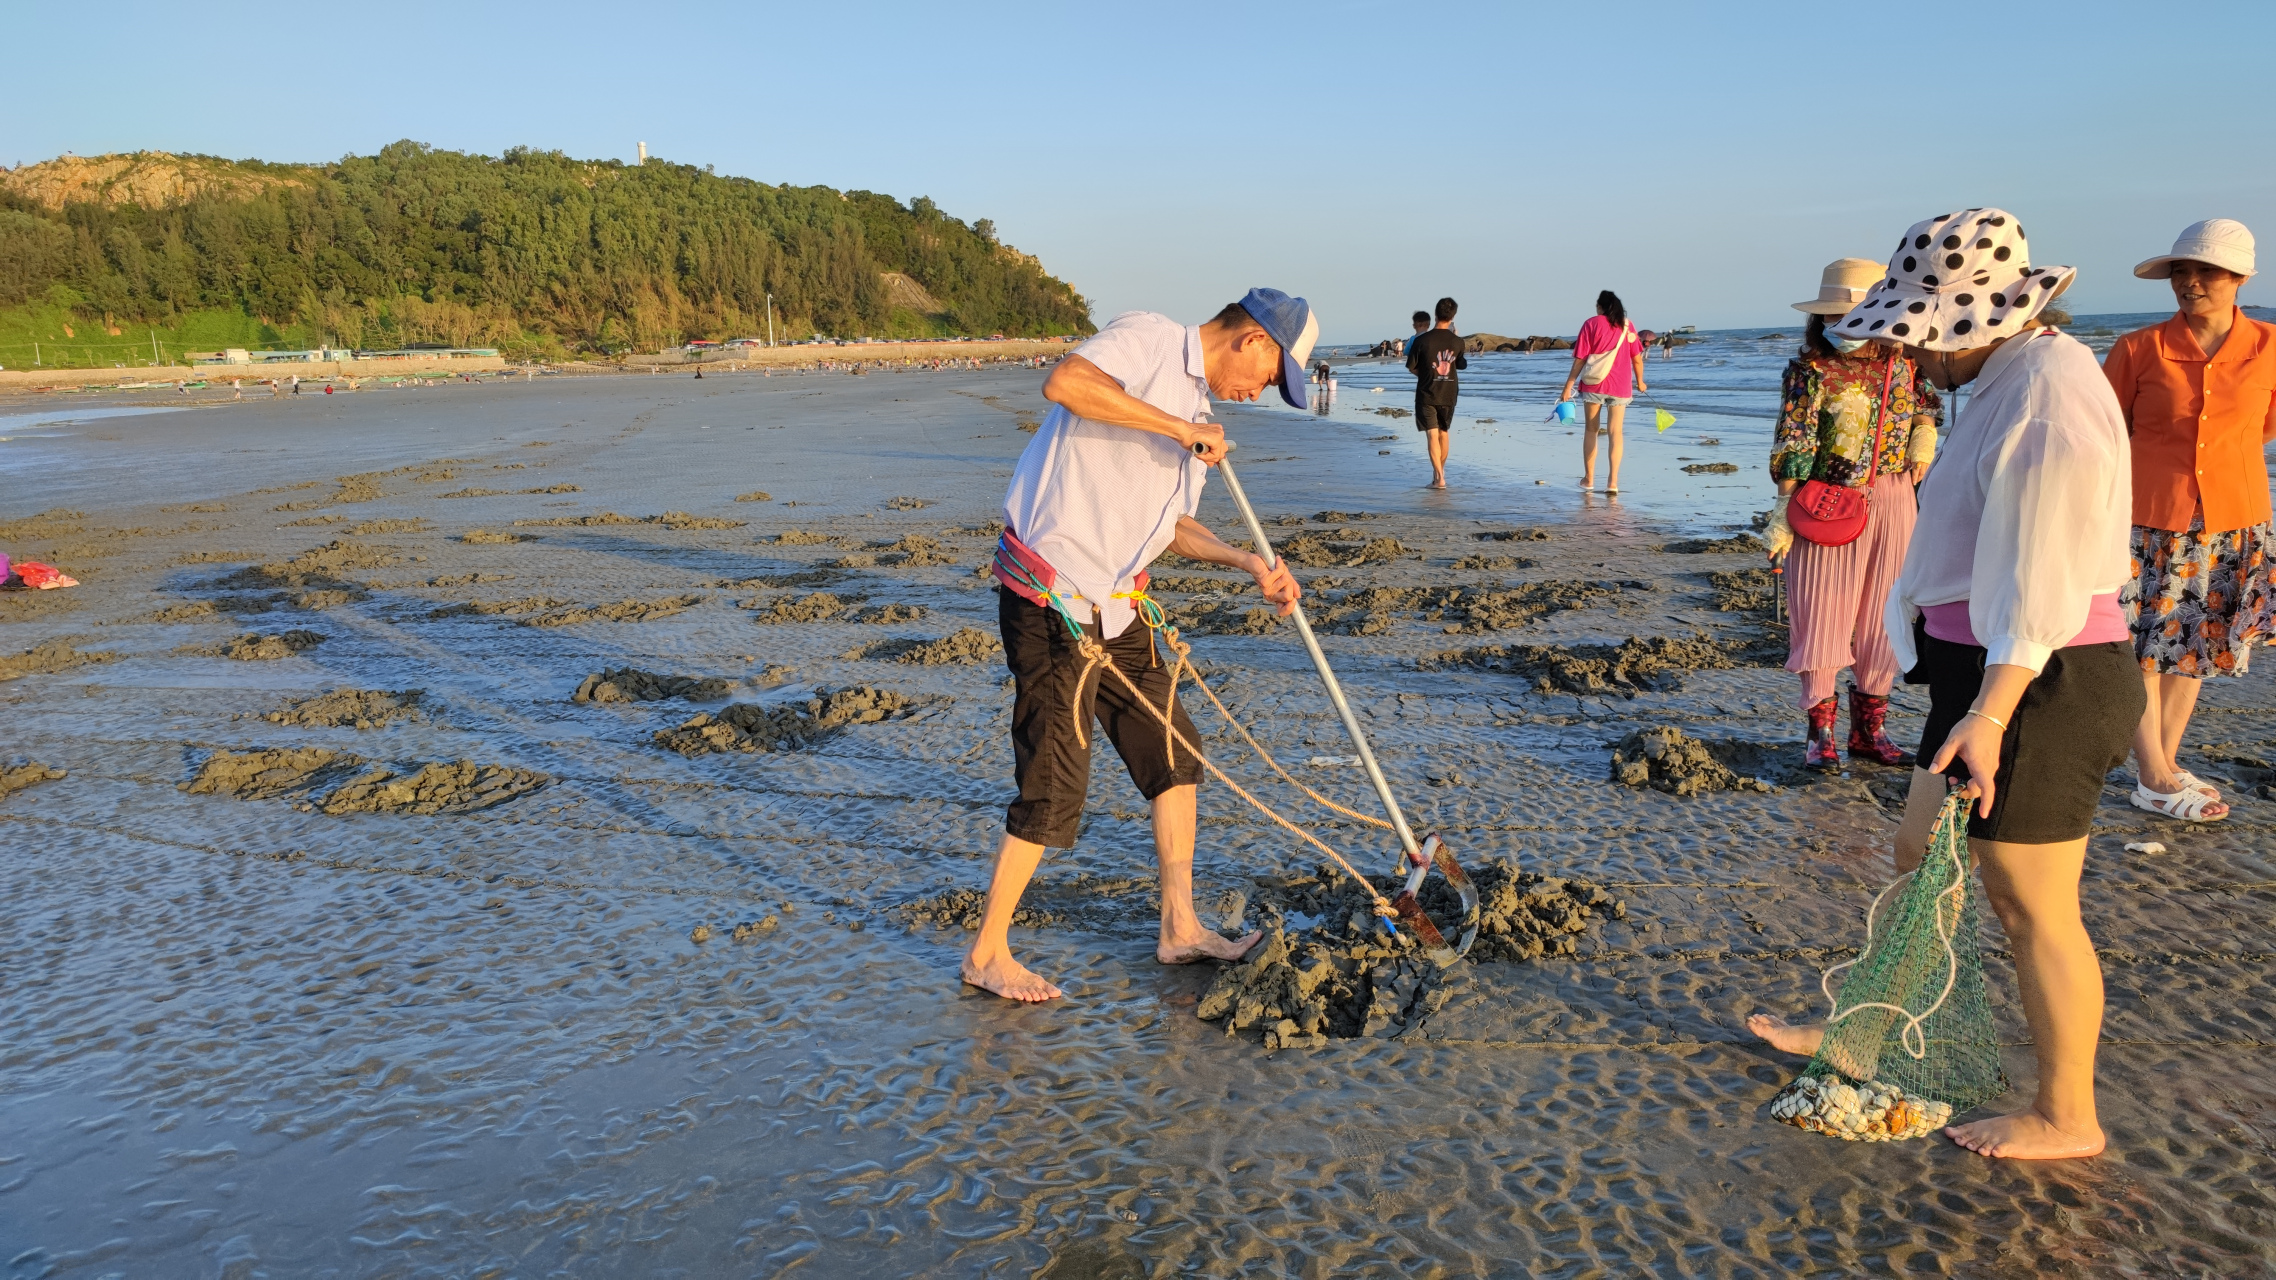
[103,260]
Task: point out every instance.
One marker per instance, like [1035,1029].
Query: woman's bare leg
[2157,739]
[1588,444]
[1923,802]
[2034,890]
[1615,415]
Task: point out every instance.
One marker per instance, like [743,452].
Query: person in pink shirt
[1609,352]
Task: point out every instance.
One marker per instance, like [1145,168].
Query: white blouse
[2026,512]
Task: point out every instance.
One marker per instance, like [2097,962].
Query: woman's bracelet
[1994,719]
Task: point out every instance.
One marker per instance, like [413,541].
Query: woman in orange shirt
[2199,393]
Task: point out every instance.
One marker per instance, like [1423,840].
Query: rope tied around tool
[1095,656]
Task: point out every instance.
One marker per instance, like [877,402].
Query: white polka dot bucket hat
[1956,281]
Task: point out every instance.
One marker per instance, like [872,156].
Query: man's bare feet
[2025,1135]
[1008,978]
[1787,1037]
[1205,945]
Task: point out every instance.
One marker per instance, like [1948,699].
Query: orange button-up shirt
[2199,426]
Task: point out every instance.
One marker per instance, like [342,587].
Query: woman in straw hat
[1857,417]
[2199,394]
[2007,609]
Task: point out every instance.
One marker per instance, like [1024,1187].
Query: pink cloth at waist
[2105,622]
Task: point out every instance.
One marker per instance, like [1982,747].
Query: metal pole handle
[1414,855]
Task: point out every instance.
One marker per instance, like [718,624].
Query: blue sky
[1703,160]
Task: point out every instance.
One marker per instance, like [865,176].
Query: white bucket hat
[1842,286]
[2223,242]
[1958,280]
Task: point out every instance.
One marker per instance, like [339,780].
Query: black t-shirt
[1433,357]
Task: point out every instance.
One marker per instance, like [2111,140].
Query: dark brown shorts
[1433,414]
[1054,769]
[2075,724]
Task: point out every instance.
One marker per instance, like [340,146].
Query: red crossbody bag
[1833,515]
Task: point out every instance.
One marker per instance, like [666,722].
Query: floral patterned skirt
[2199,601]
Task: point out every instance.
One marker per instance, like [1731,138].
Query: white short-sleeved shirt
[1100,502]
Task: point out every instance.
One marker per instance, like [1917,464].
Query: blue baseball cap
[1291,323]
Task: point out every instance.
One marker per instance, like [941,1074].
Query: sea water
[1722,388]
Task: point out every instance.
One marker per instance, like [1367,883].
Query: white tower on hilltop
[643,153]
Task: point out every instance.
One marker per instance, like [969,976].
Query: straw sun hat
[1842,286]
[1956,281]
[2223,242]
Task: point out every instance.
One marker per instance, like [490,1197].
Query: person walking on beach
[1109,483]
[2007,609]
[2199,395]
[1608,366]
[1433,358]
[1856,431]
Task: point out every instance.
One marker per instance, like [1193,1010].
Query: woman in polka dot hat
[2007,609]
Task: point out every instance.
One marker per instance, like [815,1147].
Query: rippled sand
[248,1038]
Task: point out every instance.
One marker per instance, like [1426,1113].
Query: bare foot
[1204,946]
[1008,978]
[1786,1037]
[1438,484]
[2025,1135]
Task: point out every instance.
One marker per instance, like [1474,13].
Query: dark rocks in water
[630,684]
[1344,978]
[1633,666]
[1736,543]
[1393,411]
[1712,469]
[1476,343]
[1667,759]
[750,728]
[359,708]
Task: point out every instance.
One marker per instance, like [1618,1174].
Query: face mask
[1846,346]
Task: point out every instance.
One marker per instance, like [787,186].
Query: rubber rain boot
[1869,730]
[1821,753]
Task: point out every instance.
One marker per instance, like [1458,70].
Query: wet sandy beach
[351,1010]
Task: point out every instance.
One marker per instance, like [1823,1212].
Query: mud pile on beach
[1736,543]
[1343,548]
[631,684]
[318,568]
[750,728]
[255,647]
[913,551]
[967,646]
[621,611]
[1667,759]
[16,777]
[676,520]
[49,658]
[358,708]
[1635,665]
[356,785]
[1338,975]
[494,537]
[822,606]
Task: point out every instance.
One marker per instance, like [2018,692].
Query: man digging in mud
[1110,482]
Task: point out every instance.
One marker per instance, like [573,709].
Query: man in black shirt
[1433,358]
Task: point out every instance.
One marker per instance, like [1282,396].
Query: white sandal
[2186,805]
[2195,783]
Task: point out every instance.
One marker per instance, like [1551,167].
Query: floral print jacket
[1826,417]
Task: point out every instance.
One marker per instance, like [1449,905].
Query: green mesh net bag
[1910,1042]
